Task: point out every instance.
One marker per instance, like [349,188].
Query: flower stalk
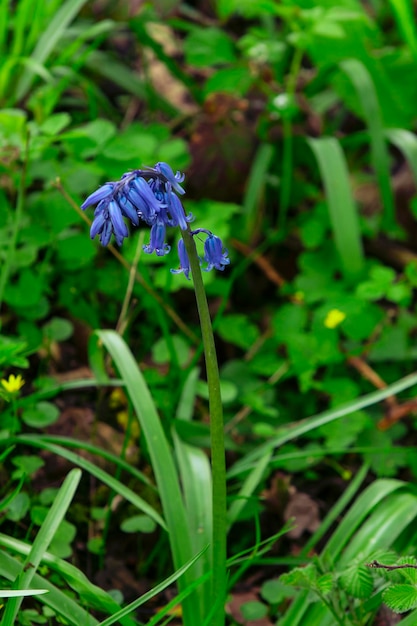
[218,463]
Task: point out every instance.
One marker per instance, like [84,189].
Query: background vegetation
[294,124]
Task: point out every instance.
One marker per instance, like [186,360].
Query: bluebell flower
[128,210]
[150,195]
[214,254]
[172,179]
[184,260]
[140,195]
[157,243]
[108,220]
[177,212]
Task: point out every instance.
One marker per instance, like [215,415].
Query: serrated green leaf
[304,577]
[400,598]
[357,581]
[325,583]
[410,574]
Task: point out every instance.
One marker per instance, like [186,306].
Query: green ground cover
[147,474]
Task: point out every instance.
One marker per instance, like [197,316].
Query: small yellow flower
[334,318]
[13,384]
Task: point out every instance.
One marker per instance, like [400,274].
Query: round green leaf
[41,415]
[253,610]
[58,329]
[138,524]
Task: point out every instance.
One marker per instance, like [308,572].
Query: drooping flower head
[150,195]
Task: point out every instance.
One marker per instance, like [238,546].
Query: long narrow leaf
[48,41]
[406,142]
[341,205]
[58,601]
[296,429]
[96,471]
[337,509]
[248,487]
[365,88]
[153,592]
[88,592]
[196,480]
[23,593]
[68,442]
[404,14]
[374,494]
[44,537]
[383,527]
[256,185]
[161,457]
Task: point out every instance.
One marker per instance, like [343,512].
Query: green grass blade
[44,537]
[406,142]
[383,526]
[340,202]
[68,442]
[296,429]
[161,457]
[185,407]
[58,601]
[336,510]
[120,74]
[96,471]
[365,89]
[153,592]
[20,24]
[374,494]
[404,15]
[48,41]
[4,503]
[196,480]
[295,614]
[4,21]
[23,593]
[255,187]
[195,471]
[88,592]
[248,487]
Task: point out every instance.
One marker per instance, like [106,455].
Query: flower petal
[100,194]
[184,260]
[173,179]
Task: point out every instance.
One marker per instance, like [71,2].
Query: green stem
[218,462]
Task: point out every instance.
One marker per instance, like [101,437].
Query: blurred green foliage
[295,124]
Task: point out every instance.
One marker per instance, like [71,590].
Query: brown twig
[260,261]
[378,565]
[396,413]
[370,374]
